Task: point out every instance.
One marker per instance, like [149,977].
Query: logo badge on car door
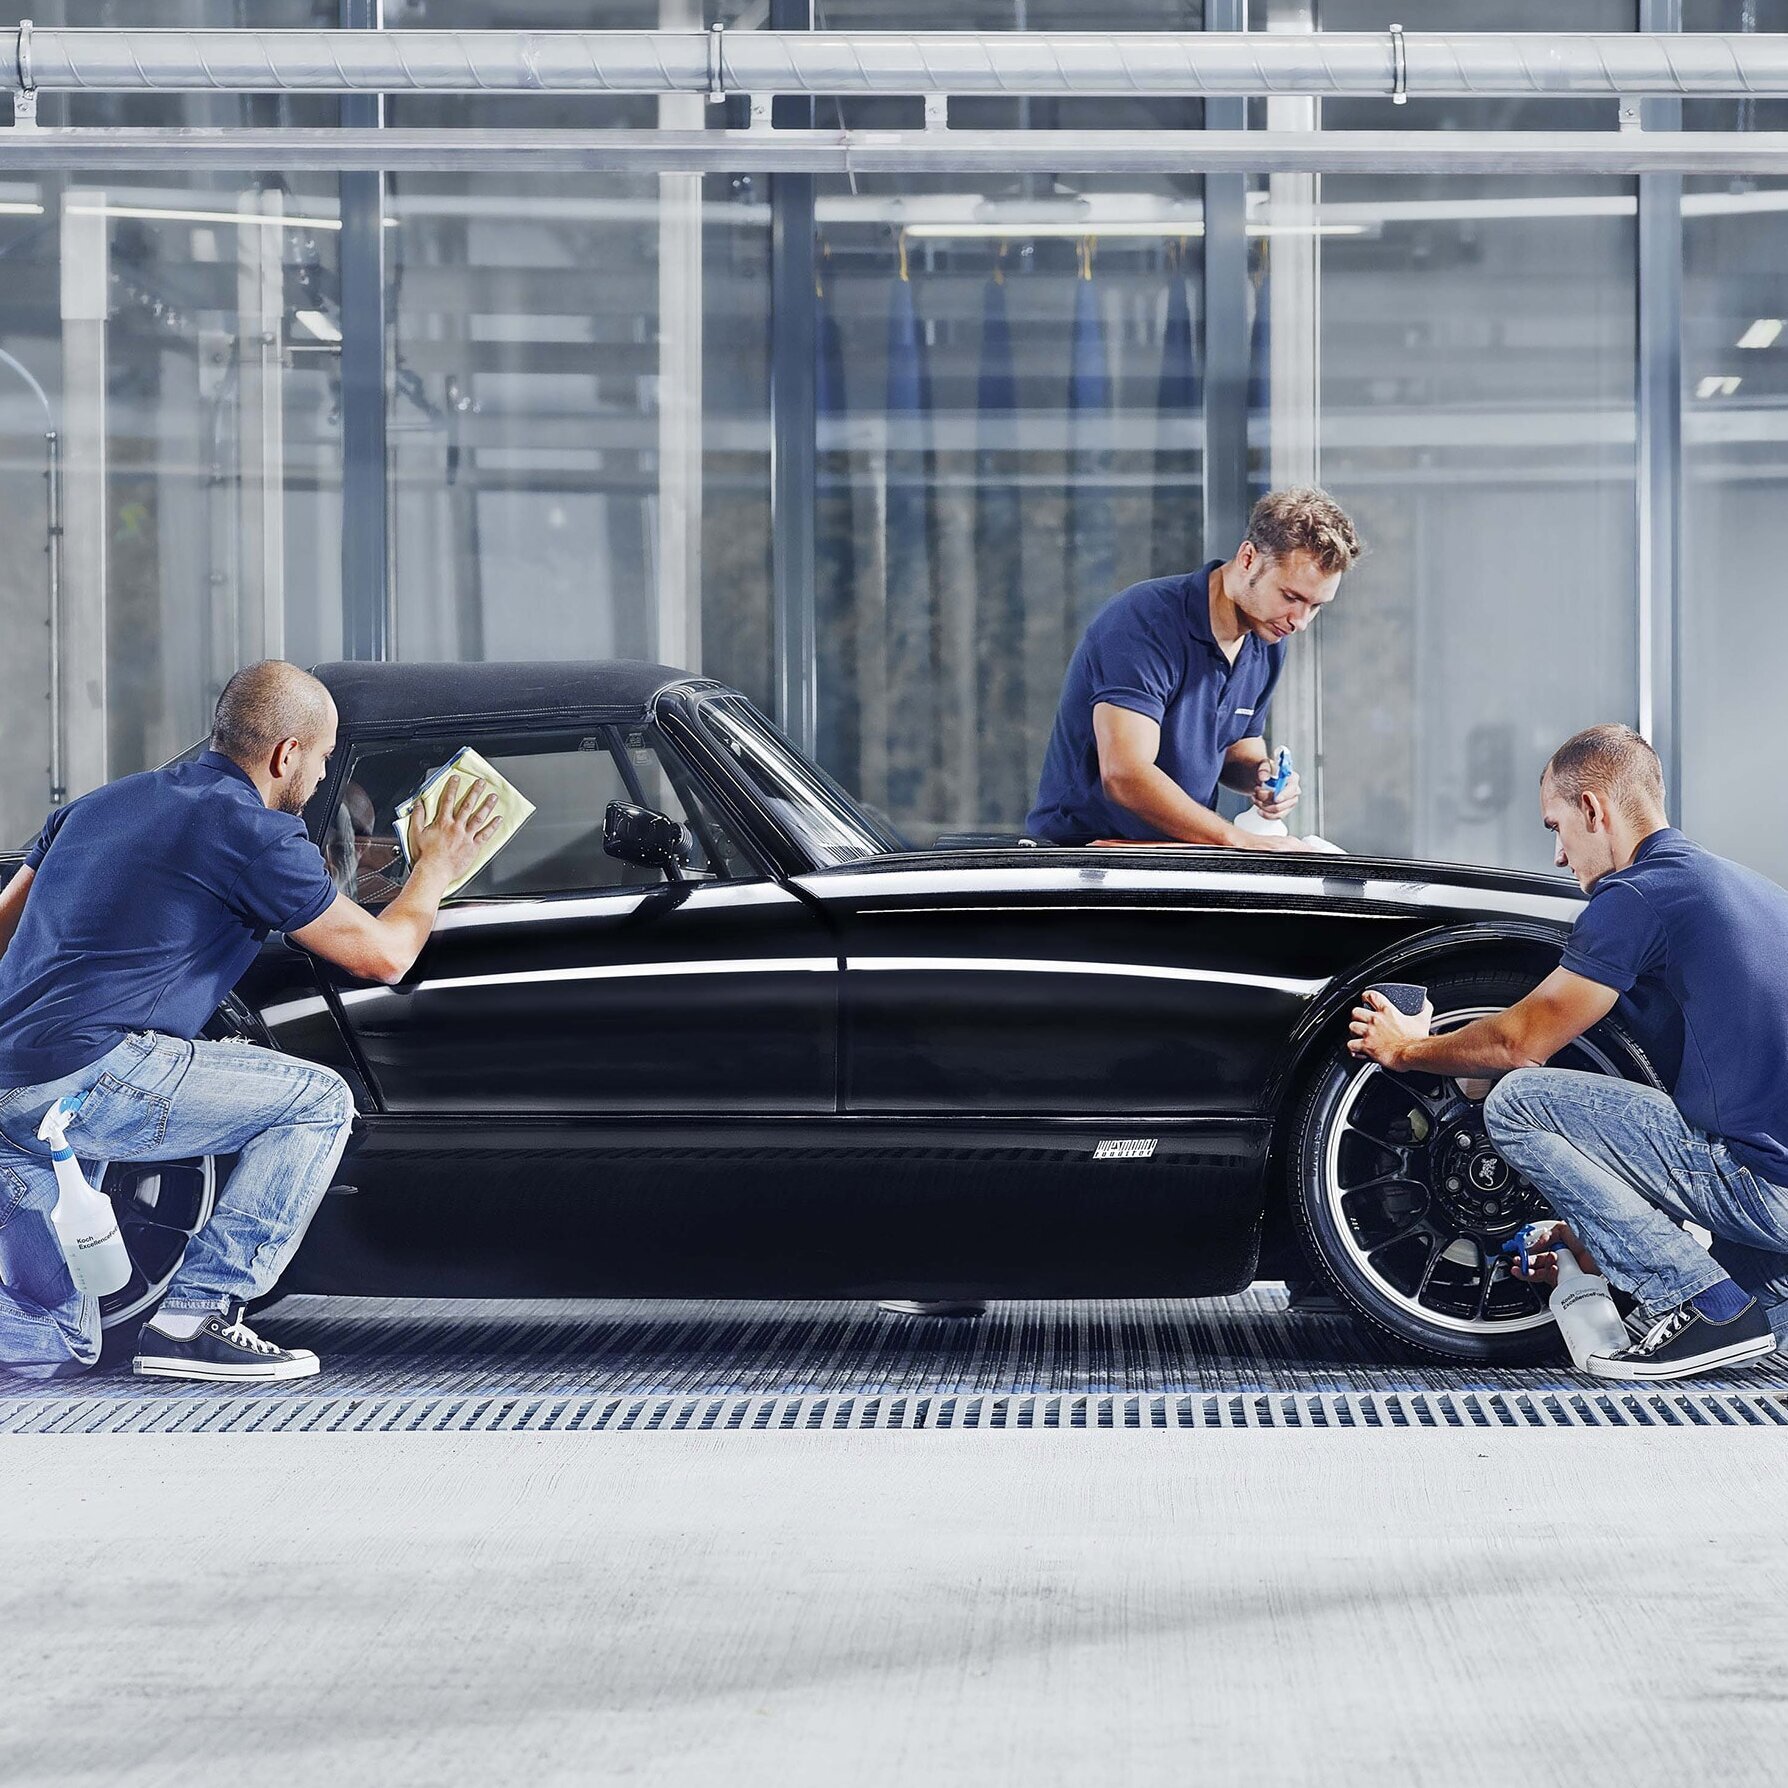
[1126,1148]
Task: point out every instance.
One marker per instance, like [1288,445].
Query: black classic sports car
[707,1027]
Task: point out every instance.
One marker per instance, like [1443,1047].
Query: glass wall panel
[178,336]
[579,440]
[1733,637]
[1733,640]
[1477,393]
[182,341]
[1010,430]
[1478,421]
[579,420]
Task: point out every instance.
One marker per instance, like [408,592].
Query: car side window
[571,777]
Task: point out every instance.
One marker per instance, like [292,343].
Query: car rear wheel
[161,1206]
[1403,1203]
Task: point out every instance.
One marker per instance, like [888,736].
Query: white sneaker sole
[1601,1366]
[307,1367]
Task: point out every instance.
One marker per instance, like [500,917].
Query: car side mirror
[638,835]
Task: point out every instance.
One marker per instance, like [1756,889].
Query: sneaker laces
[239,1334]
[1666,1329]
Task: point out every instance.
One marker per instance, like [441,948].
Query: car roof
[369,694]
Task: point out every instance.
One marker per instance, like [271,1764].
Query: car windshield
[805,801]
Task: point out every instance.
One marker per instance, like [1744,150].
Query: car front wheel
[1403,1203]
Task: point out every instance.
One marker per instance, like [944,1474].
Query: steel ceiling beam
[1199,63]
[897,152]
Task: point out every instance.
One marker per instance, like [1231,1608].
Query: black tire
[1401,1203]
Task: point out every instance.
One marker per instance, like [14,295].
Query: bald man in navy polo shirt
[136,911]
[1166,696]
[1694,951]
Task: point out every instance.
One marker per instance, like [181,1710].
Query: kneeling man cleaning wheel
[1671,929]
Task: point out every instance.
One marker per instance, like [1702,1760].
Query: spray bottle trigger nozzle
[57,1119]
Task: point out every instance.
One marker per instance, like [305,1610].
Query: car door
[1048,984]
[560,980]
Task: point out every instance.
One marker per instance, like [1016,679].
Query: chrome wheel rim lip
[1334,1193]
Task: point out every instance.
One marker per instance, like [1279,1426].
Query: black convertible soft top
[369,694]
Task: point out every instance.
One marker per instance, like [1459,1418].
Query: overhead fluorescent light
[19,208]
[1162,230]
[1717,385]
[1761,333]
[162,214]
[167,214]
[318,324]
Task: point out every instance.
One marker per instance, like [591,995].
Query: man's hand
[1542,1257]
[441,852]
[1525,1035]
[1269,841]
[448,845]
[1381,1033]
[1266,803]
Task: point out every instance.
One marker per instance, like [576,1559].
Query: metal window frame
[1224,309]
[1659,481]
[794,335]
[366,584]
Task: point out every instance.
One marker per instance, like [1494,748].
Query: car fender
[1502,942]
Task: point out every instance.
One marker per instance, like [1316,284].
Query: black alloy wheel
[161,1206]
[1403,1203]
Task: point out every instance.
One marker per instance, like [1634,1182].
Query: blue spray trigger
[1519,1243]
[55,1123]
[1281,772]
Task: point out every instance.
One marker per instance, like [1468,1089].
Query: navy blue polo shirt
[1682,926]
[152,896]
[1150,649]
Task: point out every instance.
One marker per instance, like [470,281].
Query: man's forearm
[1156,799]
[1484,1047]
[1241,767]
[12,905]
[411,916]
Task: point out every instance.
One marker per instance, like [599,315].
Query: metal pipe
[1421,65]
[899,152]
[53,552]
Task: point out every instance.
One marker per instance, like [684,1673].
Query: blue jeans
[156,1098]
[1619,1163]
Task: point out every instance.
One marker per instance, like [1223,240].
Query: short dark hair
[1615,762]
[263,704]
[1303,519]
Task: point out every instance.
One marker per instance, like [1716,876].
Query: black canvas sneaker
[222,1347]
[1684,1342]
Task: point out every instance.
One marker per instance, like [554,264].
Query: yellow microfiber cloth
[512,804]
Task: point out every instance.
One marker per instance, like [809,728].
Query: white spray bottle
[1581,1303]
[85,1223]
[1250,819]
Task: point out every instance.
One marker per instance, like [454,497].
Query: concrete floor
[1398,1605]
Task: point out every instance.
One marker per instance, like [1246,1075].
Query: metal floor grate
[423,1414]
[435,1366]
